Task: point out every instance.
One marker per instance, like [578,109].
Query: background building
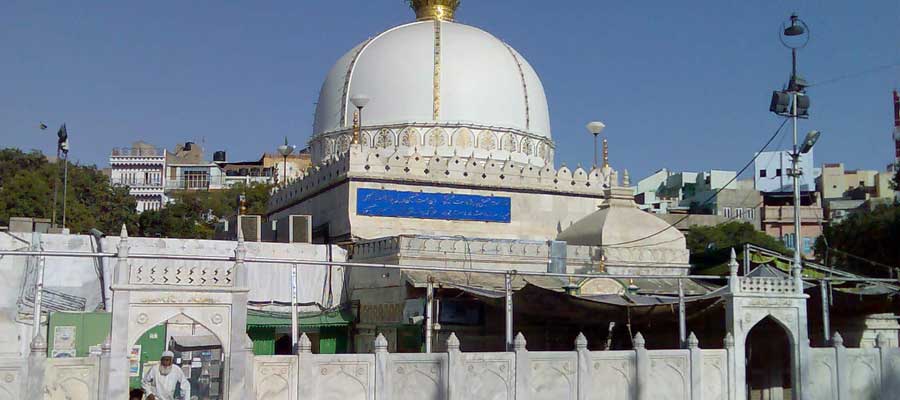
[844,192]
[713,193]
[141,167]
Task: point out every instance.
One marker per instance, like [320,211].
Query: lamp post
[595,127]
[359,101]
[794,103]
[285,151]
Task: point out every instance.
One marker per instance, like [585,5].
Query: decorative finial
[124,233]
[304,345]
[881,341]
[39,344]
[519,342]
[729,340]
[581,342]
[837,340]
[639,341]
[605,153]
[692,341]
[732,263]
[356,127]
[626,179]
[381,344]
[453,342]
[441,10]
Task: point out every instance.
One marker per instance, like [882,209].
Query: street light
[794,103]
[359,101]
[595,127]
[285,151]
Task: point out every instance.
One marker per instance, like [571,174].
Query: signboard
[447,206]
[134,361]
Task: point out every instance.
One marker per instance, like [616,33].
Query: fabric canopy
[194,343]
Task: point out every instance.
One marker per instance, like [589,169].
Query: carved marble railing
[450,247]
[429,165]
[486,141]
[767,285]
[197,274]
[682,374]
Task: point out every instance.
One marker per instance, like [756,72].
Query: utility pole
[794,103]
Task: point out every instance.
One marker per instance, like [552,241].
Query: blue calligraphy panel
[463,207]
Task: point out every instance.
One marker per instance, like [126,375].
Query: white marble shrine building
[432,146]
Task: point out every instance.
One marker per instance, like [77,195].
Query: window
[807,245]
[739,212]
[778,172]
[726,211]
[749,213]
[762,173]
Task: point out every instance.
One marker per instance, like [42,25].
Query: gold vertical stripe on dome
[524,86]
[436,81]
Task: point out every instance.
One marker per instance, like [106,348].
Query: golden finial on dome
[434,9]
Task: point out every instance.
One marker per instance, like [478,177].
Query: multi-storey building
[773,180]
[845,192]
[142,168]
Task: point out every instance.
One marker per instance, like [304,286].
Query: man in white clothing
[160,381]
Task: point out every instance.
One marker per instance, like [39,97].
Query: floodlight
[811,138]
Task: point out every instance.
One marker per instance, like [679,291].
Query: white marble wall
[688,374]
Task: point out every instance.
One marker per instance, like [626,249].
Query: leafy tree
[895,182]
[26,190]
[864,243]
[711,245]
[194,214]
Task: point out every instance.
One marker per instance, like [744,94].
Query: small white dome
[434,71]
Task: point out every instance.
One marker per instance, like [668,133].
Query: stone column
[455,370]
[37,366]
[889,378]
[240,357]
[732,365]
[104,368]
[523,368]
[382,372]
[842,367]
[696,367]
[642,366]
[306,377]
[117,383]
[584,368]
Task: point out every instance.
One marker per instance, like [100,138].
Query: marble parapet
[442,167]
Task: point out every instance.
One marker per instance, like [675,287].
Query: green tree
[864,243]
[711,245]
[194,214]
[26,190]
[895,182]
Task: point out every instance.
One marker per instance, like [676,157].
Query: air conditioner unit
[251,226]
[294,229]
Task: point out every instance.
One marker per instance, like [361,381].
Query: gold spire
[434,9]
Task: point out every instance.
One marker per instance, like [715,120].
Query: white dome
[478,80]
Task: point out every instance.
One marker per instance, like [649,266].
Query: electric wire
[712,196]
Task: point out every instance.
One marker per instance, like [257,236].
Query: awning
[260,318]
[493,285]
[194,343]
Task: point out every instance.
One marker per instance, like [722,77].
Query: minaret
[442,10]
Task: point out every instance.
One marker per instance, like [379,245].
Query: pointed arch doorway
[769,361]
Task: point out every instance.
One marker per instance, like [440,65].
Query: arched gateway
[768,305]
[212,293]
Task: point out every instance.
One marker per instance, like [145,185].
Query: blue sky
[682,85]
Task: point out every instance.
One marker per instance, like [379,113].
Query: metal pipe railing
[300,261]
